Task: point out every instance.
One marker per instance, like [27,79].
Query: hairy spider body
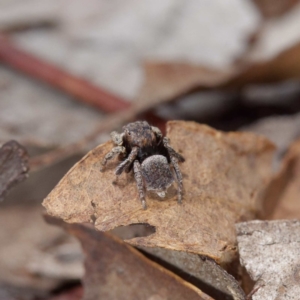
[157,165]
[143,149]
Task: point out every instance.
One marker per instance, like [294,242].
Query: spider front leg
[174,161]
[157,132]
[132,156]
[171,151]
[114,151]
[139,182]
[117,138]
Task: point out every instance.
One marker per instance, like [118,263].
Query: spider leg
[117,138]
[139,182]
[175,158]
[171,151]
[129,160]
[157,132]
[174,161]
[114,151]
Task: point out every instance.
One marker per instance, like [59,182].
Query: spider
[144,149]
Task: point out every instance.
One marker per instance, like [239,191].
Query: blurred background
[72,71]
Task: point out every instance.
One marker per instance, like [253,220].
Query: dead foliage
[275,8]
[115,269]
[285,66]
[201,271]
[269,250]
[238,163]
[26,239]
[167,81]
[13,166]
[186,247]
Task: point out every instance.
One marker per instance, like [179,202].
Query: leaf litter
[122,270]
[238,163]
[269,250]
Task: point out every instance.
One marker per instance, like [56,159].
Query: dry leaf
[115,270]
[282,200]
[224,179]
[270,253]
[13,166]
[201,271]
[167,81]
[275,8]
[284,66]
[198,270]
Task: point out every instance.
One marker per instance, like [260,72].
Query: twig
[72,85]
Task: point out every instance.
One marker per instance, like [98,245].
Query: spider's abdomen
[157,173]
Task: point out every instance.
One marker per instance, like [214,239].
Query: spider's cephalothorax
[143,149]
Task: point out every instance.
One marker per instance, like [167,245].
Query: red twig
[58,78]
[72,85]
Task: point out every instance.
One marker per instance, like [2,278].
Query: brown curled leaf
[167,81]
[224,178]
[115,270]
[275,8]
[269,250]
[13,166]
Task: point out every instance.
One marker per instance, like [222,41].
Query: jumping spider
[143,148]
